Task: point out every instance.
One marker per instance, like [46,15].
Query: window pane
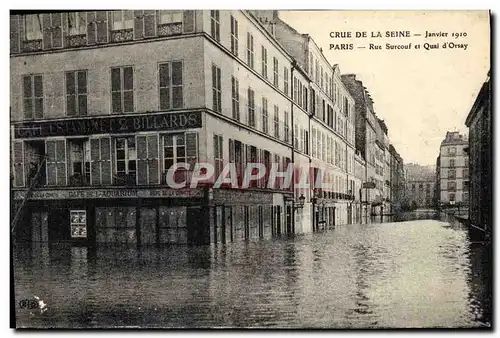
[181,151]
[115,79]
[168,163]
[82,82]
[120,154]
[177,97]
[82,104]
[117,16]
[71,105]
[116,102]
[132,165]
[128,101]
[120,143]
[38,86]
[169,140]
[128,78]
[120,166]
[164,98]
[176,73]
[164,75]
[180,139]
[169,152]
[27,86]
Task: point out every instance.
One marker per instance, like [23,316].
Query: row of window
[35,32]
[170,91]
[452,174]
[452,162]
[465,197]
[453,185]
[452,151]
[326,148]
[140,159]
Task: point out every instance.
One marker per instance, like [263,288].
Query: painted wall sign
[109,193]
[111,125]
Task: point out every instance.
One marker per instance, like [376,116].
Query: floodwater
[409,274]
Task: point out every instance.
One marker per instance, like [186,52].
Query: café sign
[109,125]
[109,193]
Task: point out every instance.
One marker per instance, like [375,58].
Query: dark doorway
[58,223]
[195,224]
[288,219]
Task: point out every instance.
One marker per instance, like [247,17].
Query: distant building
[480,158]
[454,170]
[420,186]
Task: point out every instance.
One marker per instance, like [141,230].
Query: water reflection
[420,273]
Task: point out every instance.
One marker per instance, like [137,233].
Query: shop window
[78,223]
[179,148]
[56,162]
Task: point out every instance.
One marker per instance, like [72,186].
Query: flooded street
[420,273]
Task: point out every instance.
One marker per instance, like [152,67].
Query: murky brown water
[422,273]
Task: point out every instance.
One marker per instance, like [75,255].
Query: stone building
[454,170]
[480,150]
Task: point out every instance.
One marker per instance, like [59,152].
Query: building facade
[480,152]
[454,170]
[420,193]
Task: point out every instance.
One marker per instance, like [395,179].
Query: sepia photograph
[250,169]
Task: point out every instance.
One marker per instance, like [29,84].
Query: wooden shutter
[95,168]
[18,150]
[102,29]
[231,151]
[149,24]
[142,160]
[61,162]
[188,21]
[192,148]
[56,30]
[14,34]
[106,177]
[46,30]
[138,24]
[91,28]
[153,159]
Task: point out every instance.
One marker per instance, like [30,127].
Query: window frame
[122,90]
[71,31]
[33,97]
[75,74]
[170,86]
[215,24]
[126,24]
[127,158]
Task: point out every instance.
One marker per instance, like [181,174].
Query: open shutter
[149,23]
[192,148]
[51,162]
[61,162]
[102,28]
[56,30]
[18,150]
[91,28]
[188,21]
[14,34]
[46,29]
[95,168]
[153,159]
[138,24]
[105,160]
[142,159]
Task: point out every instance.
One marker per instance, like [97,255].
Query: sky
[419,93]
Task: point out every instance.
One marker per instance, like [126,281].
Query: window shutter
[56,30]
[188,21]
[18,150]
[191,148]
[231,151]
[51,162]
[102,28]
[61,162]
[14,34]
[142,160]
[138,24]
[95,168]
[149,24]
[46,29]
[91,28]
[154,161]
[105,160]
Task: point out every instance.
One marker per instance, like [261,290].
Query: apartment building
[105,102]
[454,169]
[480,150]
